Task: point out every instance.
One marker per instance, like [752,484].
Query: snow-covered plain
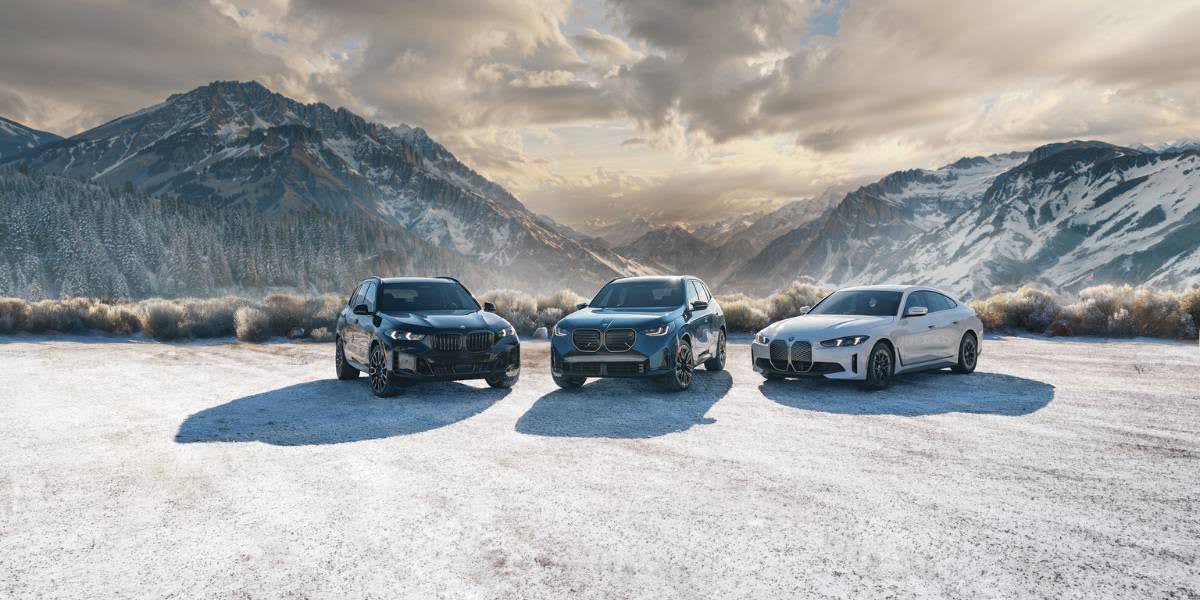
[1064,468]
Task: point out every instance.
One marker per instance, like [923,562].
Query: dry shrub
[548,317]
[161,318]
[1122,310]
[252,324]
[114,318]
[517,308]
[288,311]
[743,313]
[68,315]
[209,317]
[14,315]
[1189,304]
[564,300]
[786,303]
[321,334]
[1028,309]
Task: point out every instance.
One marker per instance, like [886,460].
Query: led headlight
[507,331]
[658,331]
[759,338]
[559,331]
[842,342]
[398,334]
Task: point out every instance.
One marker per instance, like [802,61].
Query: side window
[702,290]
[946,302]
[369,297]
[356,297]
[917,299]
[692,294]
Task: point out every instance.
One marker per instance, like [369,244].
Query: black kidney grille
[779,354]
[801,356]
[478,341]
[619,340]
[448,342]
[587,340]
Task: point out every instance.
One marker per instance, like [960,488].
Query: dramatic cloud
[586,107]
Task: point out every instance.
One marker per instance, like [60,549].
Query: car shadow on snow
[917,394]
[624,408]
[329,411]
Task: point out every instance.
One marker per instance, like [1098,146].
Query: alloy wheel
[969,353]
[684,363]
[378,373]
[881,365]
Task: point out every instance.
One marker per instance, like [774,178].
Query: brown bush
[1028,309]
[743,313]
[160,318]
[252,324]
[786,303]
[209,317]
[114,318]
[14,315]
[518,308]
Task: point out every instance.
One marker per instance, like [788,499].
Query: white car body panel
[920,342]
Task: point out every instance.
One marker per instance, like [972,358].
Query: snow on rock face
[16,138]
[239,144]
[1065,215]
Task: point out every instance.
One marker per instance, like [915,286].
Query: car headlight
[507,331]
[398,334]
[759,338]
[658,331]
[842,342]
[559,331]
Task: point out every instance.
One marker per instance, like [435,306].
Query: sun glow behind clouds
[593,108]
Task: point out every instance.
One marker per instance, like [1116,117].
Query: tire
[503,381]
[968,354]
[881,365]
[568,383]
[680,377]
[380,381]
[343,368]
[717,363]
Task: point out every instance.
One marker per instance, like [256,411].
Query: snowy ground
[1066,469]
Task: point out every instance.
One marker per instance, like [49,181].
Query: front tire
[680,377]
[568,383]
[968,354]
[717,362]
[880,367]
[503,381]
[380,380]
[343,368]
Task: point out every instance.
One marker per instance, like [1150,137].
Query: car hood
[607,318]
[462,320]
[826,326]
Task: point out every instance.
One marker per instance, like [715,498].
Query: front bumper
[650,356]
[830,363]
[415,361]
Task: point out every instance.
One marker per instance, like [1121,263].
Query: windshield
[860,303]
[663,293]
[419,296]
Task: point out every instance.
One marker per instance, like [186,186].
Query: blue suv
[641,327]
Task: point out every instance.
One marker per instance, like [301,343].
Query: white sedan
[870,334]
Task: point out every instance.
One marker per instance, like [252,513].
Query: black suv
[407,329]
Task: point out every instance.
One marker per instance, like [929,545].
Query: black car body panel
[438,344]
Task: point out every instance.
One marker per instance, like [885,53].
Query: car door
[349,326]
[365,324]
[947,320]
[694,319]
[919,335]
[709,320]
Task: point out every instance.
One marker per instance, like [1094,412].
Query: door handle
[933,326]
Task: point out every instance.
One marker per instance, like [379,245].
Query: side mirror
[489,307]
[581,306]
[361,309]
[917,311]
[699,305]
[804,309]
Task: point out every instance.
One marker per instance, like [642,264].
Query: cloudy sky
[678,107]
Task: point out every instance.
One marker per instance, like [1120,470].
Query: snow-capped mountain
[239,144]
[16,138]
[1064,215]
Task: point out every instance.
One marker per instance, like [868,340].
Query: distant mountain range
[1063,215]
